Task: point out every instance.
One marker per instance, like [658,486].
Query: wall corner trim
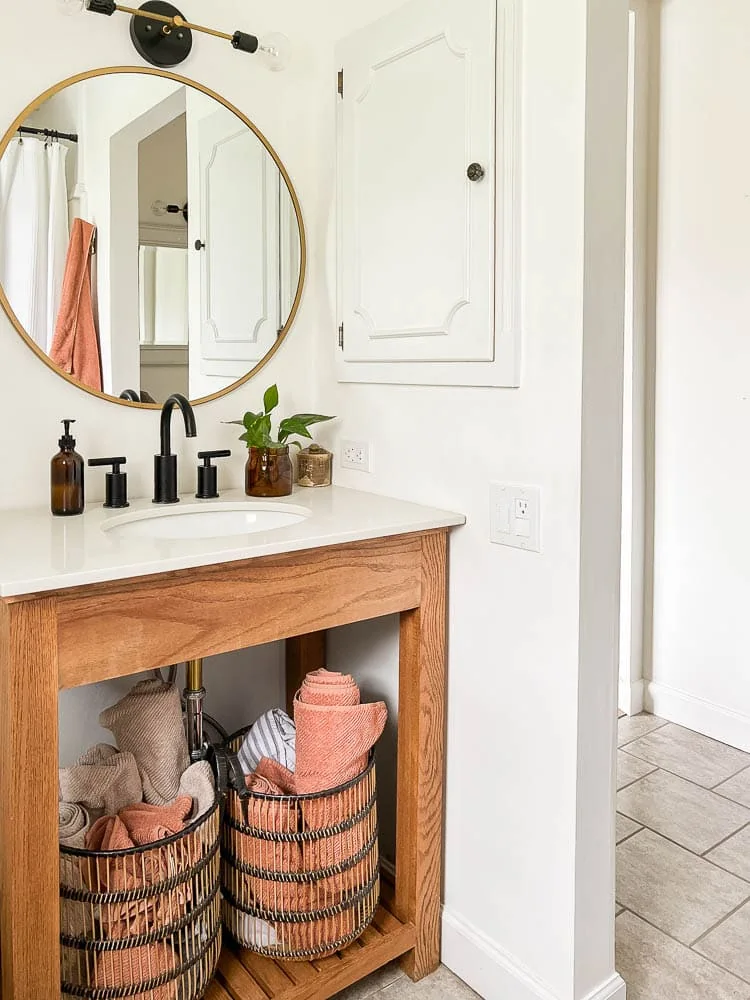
[494,974]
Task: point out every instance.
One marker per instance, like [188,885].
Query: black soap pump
[66,477]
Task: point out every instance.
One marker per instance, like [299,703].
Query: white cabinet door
[416,235]
[237,220]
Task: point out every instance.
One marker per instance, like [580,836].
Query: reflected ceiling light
[164,37]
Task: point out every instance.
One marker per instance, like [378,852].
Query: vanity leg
[29,865]
[303,654]
[421,751]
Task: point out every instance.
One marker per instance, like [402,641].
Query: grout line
[682,944]
[630,835]
[718,924]
[691,781]
[724,780]
[662,724]
[719,844]
[674,843]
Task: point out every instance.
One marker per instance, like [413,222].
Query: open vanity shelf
[66,638]
[243,975]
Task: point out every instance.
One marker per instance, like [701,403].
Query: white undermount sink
[205,520]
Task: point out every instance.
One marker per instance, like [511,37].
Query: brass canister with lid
[315,466]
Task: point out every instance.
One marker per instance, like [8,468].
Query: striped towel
[273,735]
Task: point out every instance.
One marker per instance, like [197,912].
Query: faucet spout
[176,399]
[165,464]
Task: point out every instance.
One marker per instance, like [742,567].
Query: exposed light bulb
[275,50]
[71,6]
[159,208]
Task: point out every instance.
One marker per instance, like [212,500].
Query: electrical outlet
[515,516]
[355,455]
[522,509]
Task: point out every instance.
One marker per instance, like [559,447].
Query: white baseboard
[702,716]
[493,974]
[613,989]
[630,697]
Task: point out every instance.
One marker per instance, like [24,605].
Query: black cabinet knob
[200,245]
[475,172]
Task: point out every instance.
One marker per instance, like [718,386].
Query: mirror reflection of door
[159,166]
[235,306]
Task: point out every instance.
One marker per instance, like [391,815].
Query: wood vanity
[57,639]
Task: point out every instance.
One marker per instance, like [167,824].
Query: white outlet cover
[515,516]
[355,455]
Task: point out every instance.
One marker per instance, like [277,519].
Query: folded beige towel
[102,778]
[74,821]
[198,783]
[148,723]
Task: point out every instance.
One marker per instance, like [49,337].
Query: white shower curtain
[34,233]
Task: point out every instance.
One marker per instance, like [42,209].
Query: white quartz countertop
[39,552]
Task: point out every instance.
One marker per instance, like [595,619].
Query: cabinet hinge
[341,83]
[341,336]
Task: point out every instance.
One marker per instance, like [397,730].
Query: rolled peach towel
[102,778]
[335,733]
[119,969]
[278,779]
[325,687]
[146,824]
[109,834]
[147,722]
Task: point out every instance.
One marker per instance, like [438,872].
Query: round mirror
[151,241]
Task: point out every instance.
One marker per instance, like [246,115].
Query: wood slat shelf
[243,975]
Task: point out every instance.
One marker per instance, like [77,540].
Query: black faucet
[165,465]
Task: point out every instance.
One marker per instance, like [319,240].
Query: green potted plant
[269,466]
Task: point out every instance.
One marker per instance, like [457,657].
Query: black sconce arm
[173,26]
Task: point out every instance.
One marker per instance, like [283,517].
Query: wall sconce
[161,208]
[163,37]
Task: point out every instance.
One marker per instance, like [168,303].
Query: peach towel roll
[335,733]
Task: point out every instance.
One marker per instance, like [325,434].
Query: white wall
[702,493]
[529,879]
[519,742]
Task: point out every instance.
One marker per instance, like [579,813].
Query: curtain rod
[48,132]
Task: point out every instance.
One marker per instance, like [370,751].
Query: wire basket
[145,922]
[300,873]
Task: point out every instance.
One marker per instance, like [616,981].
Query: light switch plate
[516,516]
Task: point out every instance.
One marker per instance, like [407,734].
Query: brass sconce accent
[164,37]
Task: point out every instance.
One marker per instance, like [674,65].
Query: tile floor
[683,864]
[683,873]
[391,984]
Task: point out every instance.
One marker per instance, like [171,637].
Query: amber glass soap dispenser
[67,477]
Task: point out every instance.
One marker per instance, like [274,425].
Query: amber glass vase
[268,472]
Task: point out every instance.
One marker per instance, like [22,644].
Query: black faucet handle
[116,481]
[208,477]
[114,462]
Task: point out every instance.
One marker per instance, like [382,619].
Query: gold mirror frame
[164,74]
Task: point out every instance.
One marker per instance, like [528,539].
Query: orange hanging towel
[75,346]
